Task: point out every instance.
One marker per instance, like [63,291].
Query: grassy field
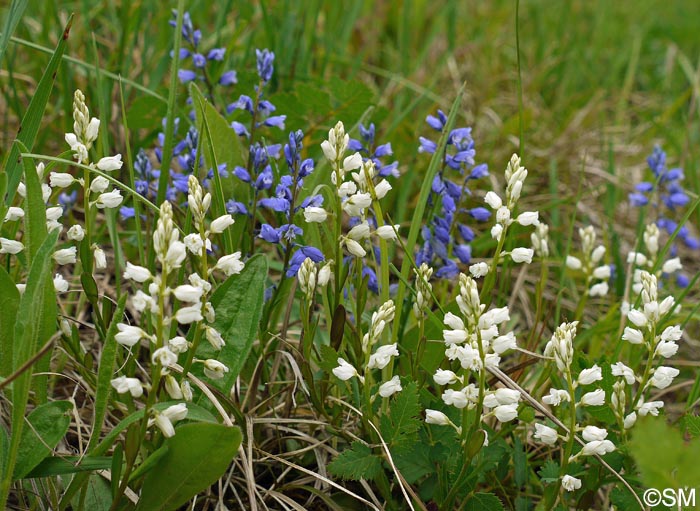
[582,90]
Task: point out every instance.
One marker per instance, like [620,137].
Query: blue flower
[265,59]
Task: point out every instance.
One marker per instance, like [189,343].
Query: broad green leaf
[47,425]
[32,118]
[483,502]
[678,465]
[197,456]
[9,301]
[238,304]
[356,463]
[98,495]
[61,465]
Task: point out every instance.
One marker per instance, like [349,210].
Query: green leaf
[32,118]
[403,424]
[197,456]
[356,463]
[105,372]
[692,425]
[238,304]
[62,465]
[329,358]
[483,502]
[549,473]
[98,495]
[9,301]
[677,467]
[47,425]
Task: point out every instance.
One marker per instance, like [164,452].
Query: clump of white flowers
[560,349]
[590,263]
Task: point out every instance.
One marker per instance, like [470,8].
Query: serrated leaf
[47,425]
[414,462]
[692,425]
[483,502]
[197,456]
[329,358]
[403,413]
[549,472]
[356,463]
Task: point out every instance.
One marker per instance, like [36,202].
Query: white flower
[136,273]
[570,483]
[60,284]
[597,254]
[315,214]
[357,203]
[636,258]
[352,162]
[387,232]
[344,371]
[76,233]
[672,265]
[632,335]
[545,434]
[504,343]
[528,218]
[629,420]
[123,385]
[13,213]
[110,163]
[164,357]
[100,259]
[381,189]
[165,419]
[359,232]
[60,179]
[651,407]
[194,243]
[21,288]
[599,447]
[99,184]
[620,369]
[129,335]
[354,248]
[445,377]
[573,263]
[637,318]
[436,417]
[10,246]
[493,200]
[671,333]
[454,336]
[496,231]
[109,200]
[187,293]
[503,215]
[663,376]
[600,289]
[455,398]
[479,270]
[381,358]
[214,338]
[231,264]
[494,316]
[187,315]
[591,433]
[220,224]
[602,272]
[667,304]
[172,387]
[595,398]
[522,255]
[555,397]
[346,189]
[390,387]
[65,255]
[506,413]
[176,254]
[666,349]
[92,130]
[178,344]
[588,376]
[214,369]
[506,396]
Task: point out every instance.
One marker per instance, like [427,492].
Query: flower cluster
[640,262]
[646,322]
[560,349]
[449,189]
[590,263]
[203,65]
[368,148]
[474,341]
[374,359]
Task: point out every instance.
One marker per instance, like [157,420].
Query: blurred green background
[602,81]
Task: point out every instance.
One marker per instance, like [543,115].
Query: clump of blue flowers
[445,236]
[667,197]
